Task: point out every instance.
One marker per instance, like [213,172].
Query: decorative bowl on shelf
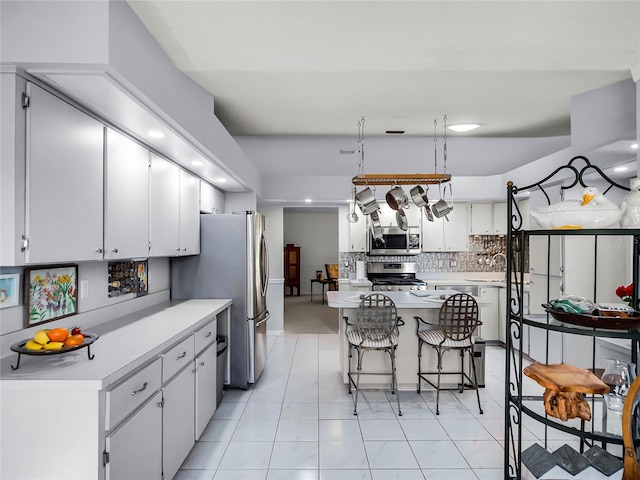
[623,321]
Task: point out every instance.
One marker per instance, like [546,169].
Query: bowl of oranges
[55,341]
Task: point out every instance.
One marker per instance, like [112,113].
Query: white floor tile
[194,475]
[219,430]
[299,411]
[247,456]
[438,454]
[204,456]
[423,429]
[262,411]
[293,475]
[412,474]
[449,474]
[255,431]
[331,410]
[342,455]
[489,473]
[479,454]
[390,454]
[229,411]
[345,475]
[464,429]
[297,431]
[381,429]
[240,475]
[294,455]
[339,431]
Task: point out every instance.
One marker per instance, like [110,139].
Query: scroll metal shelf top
[401,179]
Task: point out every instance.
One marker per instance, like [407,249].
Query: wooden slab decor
[564,387]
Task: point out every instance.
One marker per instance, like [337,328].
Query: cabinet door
[481,219]
[135,449]
[545,255]
[543,288]
[456,230]
[358,235]
[489,313]
[164,208]
[189,214]
[178,432]
[207,198]
[500,218]
[64,181]
[126,212]
[433,235]
[205,367]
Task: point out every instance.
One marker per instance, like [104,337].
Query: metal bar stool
[458,319]
[374,328]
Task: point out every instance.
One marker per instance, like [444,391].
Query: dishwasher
[479,345]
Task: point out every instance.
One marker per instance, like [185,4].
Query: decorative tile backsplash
[487,253]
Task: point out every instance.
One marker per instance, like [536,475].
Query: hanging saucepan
[397,198]
[419,197]
[376,229]
[401,220]
[441,208]
[367,202]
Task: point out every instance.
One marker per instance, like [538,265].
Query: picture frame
[142,277]
[50,293]
[9,290]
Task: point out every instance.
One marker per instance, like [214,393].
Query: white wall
[275,291]
[317,236]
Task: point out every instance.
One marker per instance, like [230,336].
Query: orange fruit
[73,340]
[58,334]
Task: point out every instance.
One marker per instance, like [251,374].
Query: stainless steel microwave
[395,241]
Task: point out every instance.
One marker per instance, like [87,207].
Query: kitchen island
[145,394]
[408,306]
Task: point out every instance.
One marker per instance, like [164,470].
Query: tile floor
[297,423]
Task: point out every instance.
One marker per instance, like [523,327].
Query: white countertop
[401,299]
[128,341]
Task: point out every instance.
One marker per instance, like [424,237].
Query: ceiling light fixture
[155,134]
[463,127]
[221,180]
[197,163]
[307,200]
[634,146]
[621,169]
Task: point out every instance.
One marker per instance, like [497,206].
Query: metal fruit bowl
[20,348]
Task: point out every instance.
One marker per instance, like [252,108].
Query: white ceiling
[315,67]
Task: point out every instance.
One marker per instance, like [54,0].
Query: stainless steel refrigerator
[233,263]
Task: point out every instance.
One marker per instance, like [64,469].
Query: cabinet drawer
[132,392]
[206,335]
[176,358]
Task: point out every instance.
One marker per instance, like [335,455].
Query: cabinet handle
[182,355]
[202,364]
[178,249]
[184,249]
[98,250]
[114,250]
[141,389]
[208,335]
[160,404]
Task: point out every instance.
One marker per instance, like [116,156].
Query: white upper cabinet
[447,236]
[126,212]
[189,214]
[481,219]
[211,200]
[164,208]
[358,232]
[64,182]
[500,218]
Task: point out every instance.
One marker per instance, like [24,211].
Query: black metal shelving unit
[516,404]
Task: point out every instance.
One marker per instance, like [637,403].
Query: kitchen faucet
[493,262]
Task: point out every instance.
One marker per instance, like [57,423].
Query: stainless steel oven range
[394,276]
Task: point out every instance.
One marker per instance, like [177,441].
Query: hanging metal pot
[367,202]
[441,208]
[420,199]
[401,220]
[376,229]
[397,198]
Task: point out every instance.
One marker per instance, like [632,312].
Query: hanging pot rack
[401,179]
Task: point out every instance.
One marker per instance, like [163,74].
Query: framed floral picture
[9,290]
[51,293]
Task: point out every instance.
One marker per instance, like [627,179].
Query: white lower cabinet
[205,391]
[134,450]
[178,413]
[489,312]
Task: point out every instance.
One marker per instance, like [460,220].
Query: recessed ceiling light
[307,200]
[221,180]
[621,169]
[463,127]
[155,134]
[634,146]
[197,163]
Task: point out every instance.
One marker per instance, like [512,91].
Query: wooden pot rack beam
[401,179]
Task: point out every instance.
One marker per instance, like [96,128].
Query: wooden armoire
[292,268]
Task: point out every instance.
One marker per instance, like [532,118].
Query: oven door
[396,242]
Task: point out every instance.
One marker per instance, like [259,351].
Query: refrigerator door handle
[266,317]
[265,259]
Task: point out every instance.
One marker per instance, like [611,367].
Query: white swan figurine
[630,206]
[593,211]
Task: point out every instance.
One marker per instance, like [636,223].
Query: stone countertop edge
[125,346]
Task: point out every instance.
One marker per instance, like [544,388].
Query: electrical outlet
[84,288]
